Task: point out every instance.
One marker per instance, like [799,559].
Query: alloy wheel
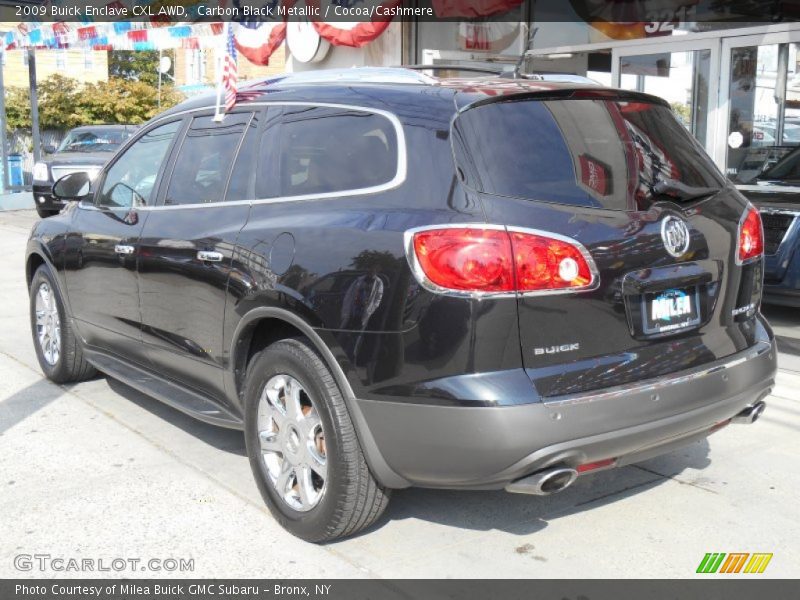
[48,324]
[292,443]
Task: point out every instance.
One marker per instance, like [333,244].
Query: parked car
[390,280]
[776,192]
[83,149]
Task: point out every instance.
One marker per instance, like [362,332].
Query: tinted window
[598,153]
[204,160]
[243,174]
[787,169]
[328,150]
[131,178]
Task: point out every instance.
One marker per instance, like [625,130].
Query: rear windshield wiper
[676,189]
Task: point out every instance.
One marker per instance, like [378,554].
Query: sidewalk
[16,200]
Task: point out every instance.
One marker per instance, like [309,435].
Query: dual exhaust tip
[557,479]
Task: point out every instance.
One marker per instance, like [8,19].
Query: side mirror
[73,187]
[50,149]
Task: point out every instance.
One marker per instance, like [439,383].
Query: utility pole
[4,141]
[37,142]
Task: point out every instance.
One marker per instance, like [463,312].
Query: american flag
[230,72]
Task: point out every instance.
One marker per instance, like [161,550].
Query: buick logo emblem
[675,234]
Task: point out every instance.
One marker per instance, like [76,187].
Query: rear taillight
[496,260]
[466,259]
[751,236]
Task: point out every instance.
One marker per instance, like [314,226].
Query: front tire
[303,449]
[57,346]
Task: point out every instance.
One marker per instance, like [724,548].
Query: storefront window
[681,78]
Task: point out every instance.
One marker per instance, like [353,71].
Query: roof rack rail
[454,67]
[351,75]
[552,77]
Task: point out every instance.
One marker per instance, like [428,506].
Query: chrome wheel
[292,443]
[48,324]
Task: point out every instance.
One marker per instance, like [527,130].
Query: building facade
[197,68]
[86,66]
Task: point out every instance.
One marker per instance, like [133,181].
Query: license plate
[671,310]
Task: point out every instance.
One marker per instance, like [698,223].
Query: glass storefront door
[683,74]
[762,83]
[681,78]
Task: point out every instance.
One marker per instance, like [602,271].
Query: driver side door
[103,245]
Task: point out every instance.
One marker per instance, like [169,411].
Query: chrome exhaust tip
[544,482]
[750,414]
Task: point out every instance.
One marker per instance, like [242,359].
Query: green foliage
[136,65]
[124,101]
[59,103]
[64,103]
[683,111]
[18,108]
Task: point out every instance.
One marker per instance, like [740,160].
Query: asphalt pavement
[99,471]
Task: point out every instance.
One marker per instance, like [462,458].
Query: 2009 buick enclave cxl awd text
[390,280]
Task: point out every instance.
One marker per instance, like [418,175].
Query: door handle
[122,249]
[209,256]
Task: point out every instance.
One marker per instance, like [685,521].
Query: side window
[328,150]
[243,174]
[204,161]
[130,180]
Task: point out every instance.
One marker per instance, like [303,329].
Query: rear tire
[318,446]
[58,348]
[46,212]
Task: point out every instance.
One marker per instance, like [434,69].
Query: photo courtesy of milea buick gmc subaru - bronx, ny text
[387,279]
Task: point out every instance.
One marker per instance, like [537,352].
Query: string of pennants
[123,35]
[255,40]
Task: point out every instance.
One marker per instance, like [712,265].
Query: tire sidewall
[279,359]
[43,275]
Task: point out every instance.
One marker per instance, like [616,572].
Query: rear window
[94,140]
[325,150]
[598,153]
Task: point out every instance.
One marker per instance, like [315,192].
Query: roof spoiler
[583,93]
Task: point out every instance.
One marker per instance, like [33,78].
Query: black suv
[391,280]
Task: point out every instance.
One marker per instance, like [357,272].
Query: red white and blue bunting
[355,34]
[123,35]
[258,40]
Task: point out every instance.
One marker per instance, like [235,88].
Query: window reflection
[599,153]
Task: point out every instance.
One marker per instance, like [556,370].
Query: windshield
[93,140]
[787,169]
[594,152]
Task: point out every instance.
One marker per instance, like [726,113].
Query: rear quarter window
[597,153]
[322,150]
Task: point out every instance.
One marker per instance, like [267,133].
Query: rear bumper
[782,285]
[488,447]
[781,295]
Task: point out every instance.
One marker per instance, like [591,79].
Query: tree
[139,65]
[60,104]
[64,103]
[124,101]
[18,108]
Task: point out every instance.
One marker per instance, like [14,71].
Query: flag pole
[218,113]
